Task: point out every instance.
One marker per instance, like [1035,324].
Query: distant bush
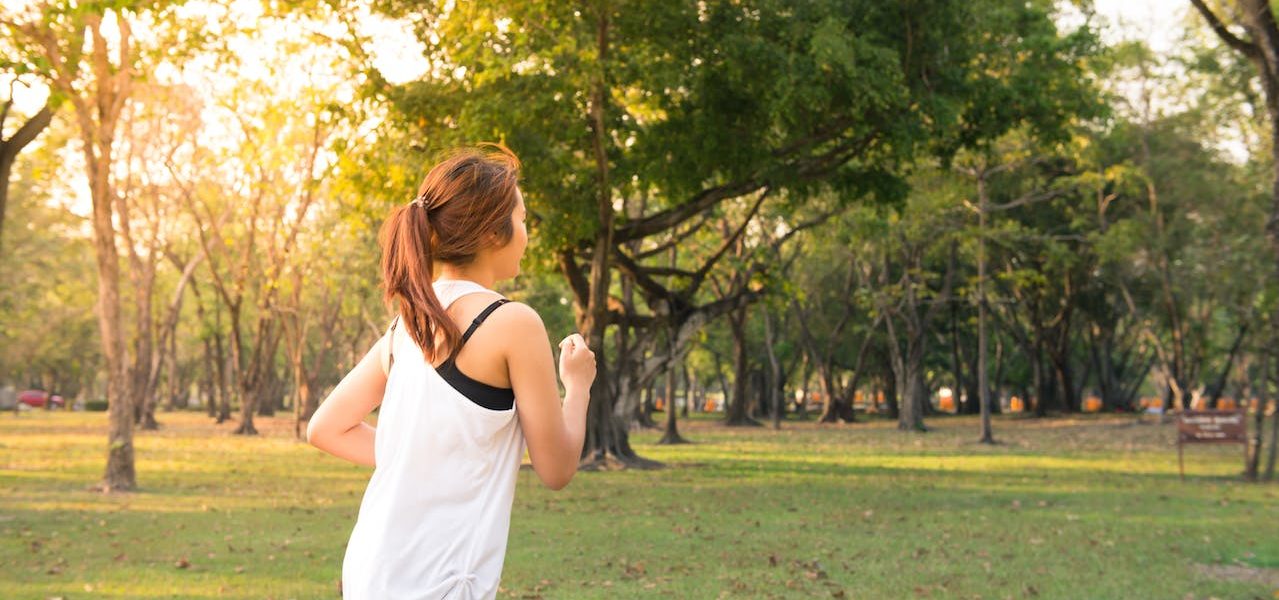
[95,406]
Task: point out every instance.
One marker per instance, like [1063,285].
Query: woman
[464,379]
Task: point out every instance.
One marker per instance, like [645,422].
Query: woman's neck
[472,272]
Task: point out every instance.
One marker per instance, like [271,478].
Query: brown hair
[462,200]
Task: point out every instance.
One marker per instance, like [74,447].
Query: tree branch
[29,130]
[701,273]
[576,279]
[675,239]
[1247,48]
[673,216]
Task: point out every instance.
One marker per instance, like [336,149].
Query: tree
[920,250]
[90,59]
[1259,44]
[161,124]
[702,104]
[97,83]
[831,304]
[982,168]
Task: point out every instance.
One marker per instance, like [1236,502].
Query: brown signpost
[1210,427]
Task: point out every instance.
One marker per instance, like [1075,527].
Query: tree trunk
[1274,425]
[1274,442]
[805,375]
[643,413]
[224,385]
[635,397]
[914,396]
[606,434]
[1058,350]
[996,403]
[169,364]
[1066,383]
[1101,348]
[144,365]
[968,406]
[890,396]
[834,407]
[671,434]
[690,397]
[775,371]
[254,378]
[1041,382]
[645,404]
[210,394]
[724,388]
[1259,422]
[1220,385]
[119,474]
[759,393]
[738,410]
[302,409]
[908,375]
[983,371]
[269,397]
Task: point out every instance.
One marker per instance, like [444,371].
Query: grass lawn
[1079,507]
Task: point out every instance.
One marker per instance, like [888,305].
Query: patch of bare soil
[1268,577]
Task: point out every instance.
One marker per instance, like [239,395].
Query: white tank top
[435,517]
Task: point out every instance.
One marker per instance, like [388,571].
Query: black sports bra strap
[484,314]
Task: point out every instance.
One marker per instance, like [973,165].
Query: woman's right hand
[577,363]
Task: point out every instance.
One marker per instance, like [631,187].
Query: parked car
[36,399]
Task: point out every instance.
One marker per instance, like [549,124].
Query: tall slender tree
[96,78]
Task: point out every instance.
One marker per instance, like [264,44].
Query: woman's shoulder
[510,316]
[517,317]
[513,330]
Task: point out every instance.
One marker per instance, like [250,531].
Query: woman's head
[468,213]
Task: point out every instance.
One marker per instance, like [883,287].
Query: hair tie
[420,201]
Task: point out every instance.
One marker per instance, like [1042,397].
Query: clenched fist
[577,363]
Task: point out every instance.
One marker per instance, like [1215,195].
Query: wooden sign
[1210,427]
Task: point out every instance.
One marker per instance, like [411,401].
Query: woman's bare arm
[338,426]
[553,429]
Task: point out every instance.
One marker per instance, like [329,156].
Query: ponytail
[407,264]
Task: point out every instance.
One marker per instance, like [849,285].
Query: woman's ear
[495,241]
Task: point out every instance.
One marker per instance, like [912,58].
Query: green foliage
[698,95]
[48,282]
